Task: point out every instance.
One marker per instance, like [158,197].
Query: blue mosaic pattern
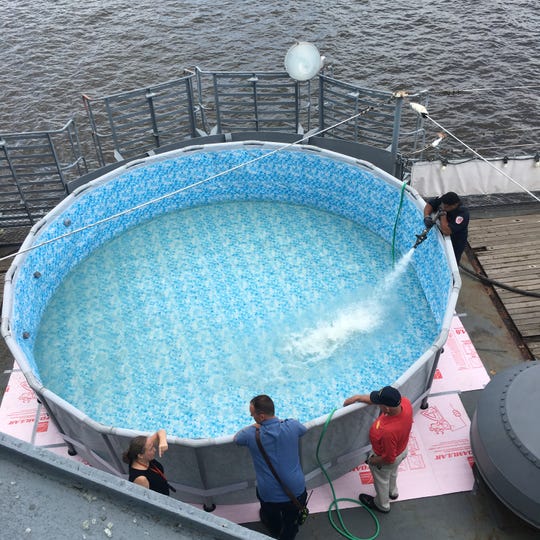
[289,176]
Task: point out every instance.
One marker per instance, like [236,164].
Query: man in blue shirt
[280,440]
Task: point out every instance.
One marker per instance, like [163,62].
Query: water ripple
[55,51]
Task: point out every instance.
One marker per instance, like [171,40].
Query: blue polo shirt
[280,439]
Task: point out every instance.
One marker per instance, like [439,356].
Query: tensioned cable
[420,109]
[185,188]
[488,89]
[455,92]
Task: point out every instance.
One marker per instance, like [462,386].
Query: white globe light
[303,61]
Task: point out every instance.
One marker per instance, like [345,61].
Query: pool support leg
[424,405]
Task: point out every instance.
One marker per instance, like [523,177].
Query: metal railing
[253,101]
[142,119]
[34,166]
[35,169]
[205,103]
[378,125]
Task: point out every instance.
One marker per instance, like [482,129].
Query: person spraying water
[452,218]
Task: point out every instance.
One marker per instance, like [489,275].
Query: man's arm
[376,460]
[443,224]
[241,438]
[357,398]
[431,206]
[428,210]
[388,455]
[460,222]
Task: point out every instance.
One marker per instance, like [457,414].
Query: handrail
[130,124]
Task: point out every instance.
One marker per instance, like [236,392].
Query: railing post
[93,130]
[253,80]
[321,103]
[57,162]
[297,99]
[216,100]
[191,107]
[397,125]
[75,146]
[150,100]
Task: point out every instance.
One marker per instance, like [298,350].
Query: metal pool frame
[216,471]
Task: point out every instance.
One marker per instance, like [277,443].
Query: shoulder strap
[155,469]
[274,472]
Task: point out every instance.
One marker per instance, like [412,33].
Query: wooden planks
[508,249]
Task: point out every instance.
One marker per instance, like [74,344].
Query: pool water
[180,321]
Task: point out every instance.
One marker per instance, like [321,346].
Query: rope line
[426,115]
[185,188]
[487,89]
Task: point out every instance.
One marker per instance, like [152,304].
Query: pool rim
[40,388]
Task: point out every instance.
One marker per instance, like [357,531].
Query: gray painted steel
[35,167]
[47,496]
[216,471]
[505,439]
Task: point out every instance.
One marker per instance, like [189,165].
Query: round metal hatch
[505,439]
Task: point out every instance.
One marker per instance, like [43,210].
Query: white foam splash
[321,342]
[315,344]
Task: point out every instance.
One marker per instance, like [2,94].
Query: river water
[55,50]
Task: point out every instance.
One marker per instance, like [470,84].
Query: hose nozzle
[421,237]
[429,222]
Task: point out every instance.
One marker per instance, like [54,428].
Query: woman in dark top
[144,470]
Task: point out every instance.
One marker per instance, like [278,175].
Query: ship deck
[506,250]
[505,329]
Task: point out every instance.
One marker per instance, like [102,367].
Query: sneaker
[393,496]
[369,502]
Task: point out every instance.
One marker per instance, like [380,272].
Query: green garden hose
[404,185]
[341,528]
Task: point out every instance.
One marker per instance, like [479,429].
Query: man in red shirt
[389,436]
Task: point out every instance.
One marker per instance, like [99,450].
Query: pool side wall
[216,470]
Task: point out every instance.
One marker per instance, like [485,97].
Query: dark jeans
[281,518]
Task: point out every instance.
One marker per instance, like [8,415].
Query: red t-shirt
[389,435]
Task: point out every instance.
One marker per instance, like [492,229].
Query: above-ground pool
[227,271]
